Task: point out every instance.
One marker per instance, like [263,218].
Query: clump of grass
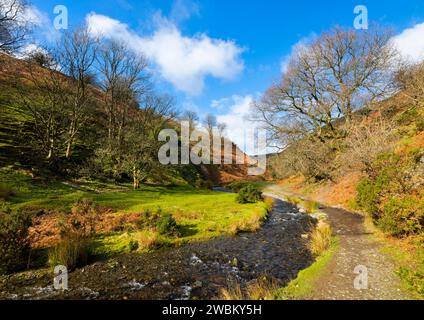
[269,204]
[293,200]
[231,293]
[251,224]
[310,206]
[77,231]
[147,241]
[72,252]
[321,239]
[261,289]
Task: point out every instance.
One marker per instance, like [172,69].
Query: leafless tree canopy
[13,27]
[329,78]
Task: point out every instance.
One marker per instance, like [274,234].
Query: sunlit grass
[200,214]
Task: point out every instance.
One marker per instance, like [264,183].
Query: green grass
[303,285]
[201,214]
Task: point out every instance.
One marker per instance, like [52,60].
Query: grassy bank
[303,285]
[201,214]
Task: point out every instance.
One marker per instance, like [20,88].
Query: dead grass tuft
[320,239]
[261,289]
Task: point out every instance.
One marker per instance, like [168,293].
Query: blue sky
[236,47]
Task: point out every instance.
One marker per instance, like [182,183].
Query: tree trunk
[136,180]
[69,149]
[51,148]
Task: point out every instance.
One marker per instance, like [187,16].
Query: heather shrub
[402,216]
[249,194]
[391,194]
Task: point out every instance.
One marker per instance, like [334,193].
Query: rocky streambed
[195,271]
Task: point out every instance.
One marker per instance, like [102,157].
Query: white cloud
[240,129]
[410,43]
[183,9]
[184,61]
[28,49]
[220,104]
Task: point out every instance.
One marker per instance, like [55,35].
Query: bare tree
[13,27]
[45,105]
[330,78]
[123,78]
[192,118]
[76,56]
[365,141]
[41,57]
[221,128]
[141,143]
[210,123]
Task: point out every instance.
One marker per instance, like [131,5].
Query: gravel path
[356,250]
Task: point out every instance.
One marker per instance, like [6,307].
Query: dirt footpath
[358,257]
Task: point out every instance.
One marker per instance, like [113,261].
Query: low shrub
[14,241]
[413,278]
[167,225]
[391,195]
[163,223]
[149,219]
[367,196]
[249,194]
[402,216]
[321,239]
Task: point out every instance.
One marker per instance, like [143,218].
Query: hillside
[16,81]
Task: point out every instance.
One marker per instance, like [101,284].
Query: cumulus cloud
[184,61]
[240,129]
[410,43]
